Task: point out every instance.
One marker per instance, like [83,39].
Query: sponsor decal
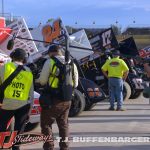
[7,135]
[104,40]
[36,109]
[4,31]
[7,139]
[114,64]
[145,52]
[20,29]
[54,32]
[51,32]
[31,138]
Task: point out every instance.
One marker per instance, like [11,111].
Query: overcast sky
[84,12]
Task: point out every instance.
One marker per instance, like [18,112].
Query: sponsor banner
[19,29]
[104,40]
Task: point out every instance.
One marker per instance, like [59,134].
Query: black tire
[78,104]
[126,91]
[30,126]
[135,95]
[89,106]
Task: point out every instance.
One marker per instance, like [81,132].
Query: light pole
[93,22]
[116,22]
[2,8]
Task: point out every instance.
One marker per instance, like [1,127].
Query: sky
[82,12]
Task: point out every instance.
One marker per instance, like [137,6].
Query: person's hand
[37,81]
[124,79]
[1,105]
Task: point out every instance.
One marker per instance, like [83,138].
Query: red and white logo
[4,31]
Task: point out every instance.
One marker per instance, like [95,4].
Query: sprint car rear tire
[30,126]
[136,95]
[126,91]
[88,107]
[78,104]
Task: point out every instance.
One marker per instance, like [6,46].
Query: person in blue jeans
[116,71]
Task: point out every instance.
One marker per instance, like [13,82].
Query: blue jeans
[115,91]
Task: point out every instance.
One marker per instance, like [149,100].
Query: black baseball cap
[54,48]
[116,52]
[18,54]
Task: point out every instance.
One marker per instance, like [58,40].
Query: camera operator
[60,107]
[18,95]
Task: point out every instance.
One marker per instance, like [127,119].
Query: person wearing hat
[59,110]
[18,95]
[116,70]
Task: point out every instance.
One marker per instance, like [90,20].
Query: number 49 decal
[51,32]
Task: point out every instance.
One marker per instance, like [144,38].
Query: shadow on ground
[128,147]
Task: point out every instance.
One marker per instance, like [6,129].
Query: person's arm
[147,69]
[105,73]
[76,76]
[125,70]
[44,75]
[125,75]
[2,69]
[31,92]
[31,100]
[0,83]
[31,95]
[105,69]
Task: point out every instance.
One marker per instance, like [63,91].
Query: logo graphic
[51,32]
[4,31]
[114,64]
[145,52]
[21,139]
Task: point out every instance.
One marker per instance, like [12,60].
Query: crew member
[147,69]
[146,92]
[116,71]
[18,95]
[60,109]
